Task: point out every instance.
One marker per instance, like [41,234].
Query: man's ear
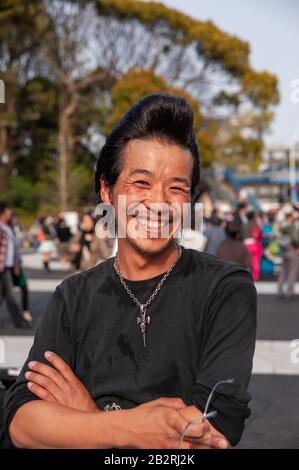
[105,192]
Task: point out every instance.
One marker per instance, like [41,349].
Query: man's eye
[177,188]
[142,183]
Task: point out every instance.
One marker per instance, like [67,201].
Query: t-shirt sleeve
[53,334]
[227,353]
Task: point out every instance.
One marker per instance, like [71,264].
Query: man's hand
[58,384]
[158,424]
[213,439]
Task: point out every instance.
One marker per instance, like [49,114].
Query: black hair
[250,215]
[215,220]
[166,117]
[233,231]
[242,205]
[3,206]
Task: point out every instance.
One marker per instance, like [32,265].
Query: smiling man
[147,334]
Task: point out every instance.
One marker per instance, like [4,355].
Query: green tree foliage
[216,46]
[21,26]
[137,83]
[240,149]
[73,67]
[261,88]
[196,53]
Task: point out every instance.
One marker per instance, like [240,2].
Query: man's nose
[158,205]
[158,195]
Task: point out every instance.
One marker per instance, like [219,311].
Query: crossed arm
[67,417]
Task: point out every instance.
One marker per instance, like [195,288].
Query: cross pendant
[143,321]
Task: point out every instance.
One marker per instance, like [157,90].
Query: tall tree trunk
[6,151]
[66,144]
[3,155]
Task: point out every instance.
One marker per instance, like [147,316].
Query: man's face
[154,176]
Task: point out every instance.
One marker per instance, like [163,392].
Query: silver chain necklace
[143,320]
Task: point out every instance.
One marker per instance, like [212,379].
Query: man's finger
[218,442]
[47,371]
[209,441]
[45,382]
[199,446]
[175,444]
[61,366]
[196,430]
[180,424]
[174,403]
[41,393]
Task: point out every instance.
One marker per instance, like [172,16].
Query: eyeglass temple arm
[221,382]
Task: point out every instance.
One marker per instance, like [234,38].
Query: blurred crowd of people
[81,249]
[76,250]
[265,243]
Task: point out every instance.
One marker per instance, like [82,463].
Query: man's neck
[137,266]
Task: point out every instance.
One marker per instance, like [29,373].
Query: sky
[272,29]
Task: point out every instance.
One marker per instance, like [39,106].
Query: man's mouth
[152,224]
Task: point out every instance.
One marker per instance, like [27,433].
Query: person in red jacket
[253,242]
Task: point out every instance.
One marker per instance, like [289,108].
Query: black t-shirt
[202,330]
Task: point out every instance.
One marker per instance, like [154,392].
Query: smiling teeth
[151,224]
